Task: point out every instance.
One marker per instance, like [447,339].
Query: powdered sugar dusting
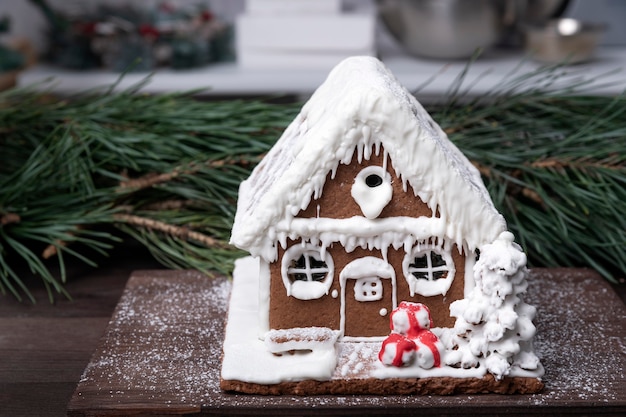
[160,340]
[356,359]
[153,352]
[569,335]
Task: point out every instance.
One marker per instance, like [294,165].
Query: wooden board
[160,355]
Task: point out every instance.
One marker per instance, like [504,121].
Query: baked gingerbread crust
[393,386]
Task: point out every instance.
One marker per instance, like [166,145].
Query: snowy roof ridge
[362,106]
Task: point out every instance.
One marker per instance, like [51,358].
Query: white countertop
[434,77]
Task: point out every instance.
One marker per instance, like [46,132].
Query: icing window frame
[311,287]
[428,285]
[368,289]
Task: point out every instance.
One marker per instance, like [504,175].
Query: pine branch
[164,171]
[70,161]
[169,229]
[554,163]
[152,179]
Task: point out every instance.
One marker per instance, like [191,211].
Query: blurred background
[251,47]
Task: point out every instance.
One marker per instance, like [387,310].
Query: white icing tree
[493,325]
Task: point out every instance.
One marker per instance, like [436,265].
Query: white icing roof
[361,106]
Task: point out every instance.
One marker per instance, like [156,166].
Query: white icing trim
[301,338]
[428,287]
[246,358]
[353,232]
[419,227]
[470,261]
[307,290]
[366,267]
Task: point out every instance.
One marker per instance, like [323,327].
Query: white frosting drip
[360,109]
[366,267]
[353,232]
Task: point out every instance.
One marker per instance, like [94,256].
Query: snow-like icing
[381,233]
[359,110]
[494,326]
[366,267]
[246,357]
[262,268]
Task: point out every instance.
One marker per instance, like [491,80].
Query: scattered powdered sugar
[163,343]
[581,343]
[164,347]
[355,359]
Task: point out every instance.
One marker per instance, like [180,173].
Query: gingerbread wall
[337,203]
[362,318]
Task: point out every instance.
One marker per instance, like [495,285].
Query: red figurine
[410,339]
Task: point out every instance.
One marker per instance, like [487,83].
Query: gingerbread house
[364,203]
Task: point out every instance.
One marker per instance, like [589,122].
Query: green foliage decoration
[80,175]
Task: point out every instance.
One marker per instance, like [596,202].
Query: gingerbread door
[367,297]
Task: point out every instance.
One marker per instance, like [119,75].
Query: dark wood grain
[161,355]
[44,347]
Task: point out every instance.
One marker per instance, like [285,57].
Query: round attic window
[373,180]
[372,190]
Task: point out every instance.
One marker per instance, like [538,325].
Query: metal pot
[448,28]
[457,28]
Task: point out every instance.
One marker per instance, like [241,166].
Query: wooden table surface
[45,348]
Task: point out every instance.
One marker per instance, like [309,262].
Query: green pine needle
[80,175]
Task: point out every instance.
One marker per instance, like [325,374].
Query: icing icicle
[360,106]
